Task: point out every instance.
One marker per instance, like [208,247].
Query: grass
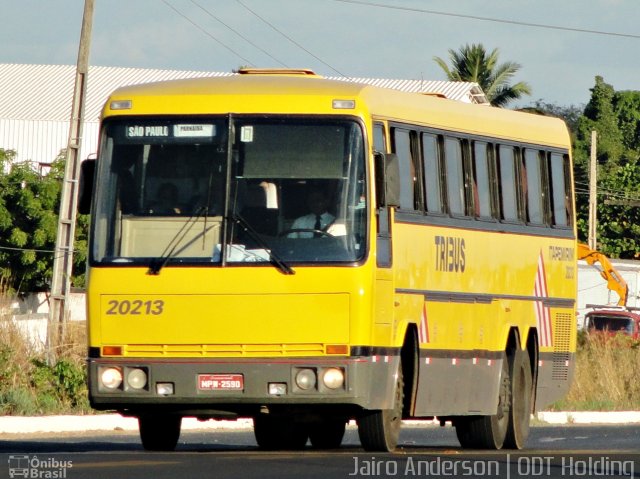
[606,375]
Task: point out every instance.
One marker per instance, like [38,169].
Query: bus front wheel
[159,432]
[379,430]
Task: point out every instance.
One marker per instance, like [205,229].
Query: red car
[613,321]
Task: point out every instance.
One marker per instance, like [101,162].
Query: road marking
[552,439]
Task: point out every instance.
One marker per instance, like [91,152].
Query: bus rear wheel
[279,433]
[521,390]
[159,432]
[380,430]
[488,432]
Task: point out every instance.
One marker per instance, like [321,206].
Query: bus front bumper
[231,387]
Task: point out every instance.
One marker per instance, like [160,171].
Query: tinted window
[455,179]
[410,197]
[508,191]
[482,179]
[533,184]
[378,138]
[559,191]
[431,161]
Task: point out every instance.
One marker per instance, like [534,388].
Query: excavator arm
[614,279]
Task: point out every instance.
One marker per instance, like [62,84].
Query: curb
[116,422]
[589,417]
[101,422]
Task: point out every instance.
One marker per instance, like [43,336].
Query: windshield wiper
[158,263]
[255,236]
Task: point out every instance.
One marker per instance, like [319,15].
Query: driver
[318,220]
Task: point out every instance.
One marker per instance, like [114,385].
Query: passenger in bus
[319,219]
[166,200]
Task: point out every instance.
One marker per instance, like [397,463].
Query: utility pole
[63,258]
[593,217]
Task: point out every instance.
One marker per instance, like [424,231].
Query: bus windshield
[225,190]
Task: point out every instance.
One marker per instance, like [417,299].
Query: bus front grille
[224,350]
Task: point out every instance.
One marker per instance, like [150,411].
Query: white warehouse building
[35,102]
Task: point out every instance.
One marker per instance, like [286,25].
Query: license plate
[220,382]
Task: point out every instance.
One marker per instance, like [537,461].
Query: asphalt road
[426,451]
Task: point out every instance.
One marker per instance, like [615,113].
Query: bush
[31,386]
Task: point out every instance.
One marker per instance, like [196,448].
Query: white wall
[31,315]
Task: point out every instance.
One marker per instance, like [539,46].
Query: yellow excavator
[615,281]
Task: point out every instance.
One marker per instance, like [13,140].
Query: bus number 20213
[136,307]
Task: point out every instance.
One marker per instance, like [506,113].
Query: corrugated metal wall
[40,141]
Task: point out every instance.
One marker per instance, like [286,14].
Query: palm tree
[473,64]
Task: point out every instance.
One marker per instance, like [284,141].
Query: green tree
[599,115]
[618,228]
[472,63]
[29,205]
[626,105]
[570,114]
[615,116]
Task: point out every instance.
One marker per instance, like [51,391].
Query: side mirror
[87,172]
[387,179]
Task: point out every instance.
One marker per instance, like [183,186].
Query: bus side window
[561,204]
[470,187]
[379,143]
[508,183]
[482,177]
[534,192]
[410,197]
[455,176]
[432,172]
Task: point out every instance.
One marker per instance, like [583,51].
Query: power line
[238,33]
[604,191]
[291,39]
[206,32]
[10,248]
[494,20]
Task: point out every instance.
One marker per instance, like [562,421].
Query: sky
[353,38]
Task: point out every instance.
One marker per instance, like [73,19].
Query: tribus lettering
[450,255]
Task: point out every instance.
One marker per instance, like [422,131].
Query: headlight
[111,378]
[333,378]
[137,378]
[306,379]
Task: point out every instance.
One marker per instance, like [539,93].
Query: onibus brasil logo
[34,467]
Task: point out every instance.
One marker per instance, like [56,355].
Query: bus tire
[379,430]
[521,390]
[159,432]
[488,432]
[275,433]
[327,434]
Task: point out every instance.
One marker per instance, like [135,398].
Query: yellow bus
[305,252]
